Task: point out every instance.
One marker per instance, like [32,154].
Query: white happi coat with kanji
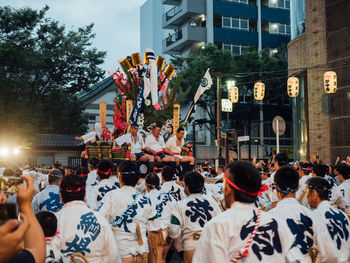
[53,255]
[335,235]
[190,215]
[47,200]
[344,189]
[302,224]
[97,192]
[227,234]
[125,208]
[82,230]
[163,204]
[171,187]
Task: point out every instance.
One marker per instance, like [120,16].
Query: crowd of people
[272,211]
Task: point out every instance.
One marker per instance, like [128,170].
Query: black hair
[213,172]
[287,180]
[152,180]
[82,172]
[48,222]
[56,165]
[72,188]
[9,172]
[246,177]
[104,167]
[320,170]
[129,173]
[194,181]
[93,163]
[168,173]
[180,130]
[344,170]
[281,158]
[320,185]
[54,175]
[155,126]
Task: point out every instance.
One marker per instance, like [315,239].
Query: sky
[116,22]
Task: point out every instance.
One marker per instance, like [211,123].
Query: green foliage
[42,68]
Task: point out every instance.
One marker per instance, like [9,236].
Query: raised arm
[34,240]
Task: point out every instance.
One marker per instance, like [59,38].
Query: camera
[7,211]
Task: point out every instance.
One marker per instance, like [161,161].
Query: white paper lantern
[233,94]
[293,87]
[330,82]
[259,90]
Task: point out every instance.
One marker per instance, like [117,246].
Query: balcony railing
[174,37]
[173,12]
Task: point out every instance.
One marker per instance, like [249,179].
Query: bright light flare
[4,151]
[15,151]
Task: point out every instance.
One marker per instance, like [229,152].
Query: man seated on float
[155,144]
[91,137]
[175,146]
[136,141]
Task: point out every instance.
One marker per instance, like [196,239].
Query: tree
[245,69]
[42,68]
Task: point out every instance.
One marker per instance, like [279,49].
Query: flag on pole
[205,84]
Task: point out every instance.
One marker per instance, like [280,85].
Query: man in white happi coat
[175,145]
[163,204]
[170,186]
[92,178]
[48,222]
[243,232]
[137,145]
[104,172]
[128,212]
[154,144]
[343,173]
[301,221]
[49,198]
[336,226]
[280,160]
[190,215]
[82,230]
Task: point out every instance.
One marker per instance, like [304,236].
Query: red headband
[83,175]
[74,190]
[106,173]
[263,188]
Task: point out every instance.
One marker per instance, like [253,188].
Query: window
[238,1]
[235,23]
[235,49]
[244,24]
[92,117]
[284,4]
[226,21]
[276,28]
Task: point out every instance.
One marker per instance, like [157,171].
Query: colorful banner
[139,102]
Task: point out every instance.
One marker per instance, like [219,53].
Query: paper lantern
[136,59]
[160,61]
[293,87]
[259,90]
[330,82]
[233,94]
[169,71]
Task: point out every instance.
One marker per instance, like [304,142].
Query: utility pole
[218,116]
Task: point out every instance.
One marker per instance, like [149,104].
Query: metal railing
[173,12]
[174,37]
